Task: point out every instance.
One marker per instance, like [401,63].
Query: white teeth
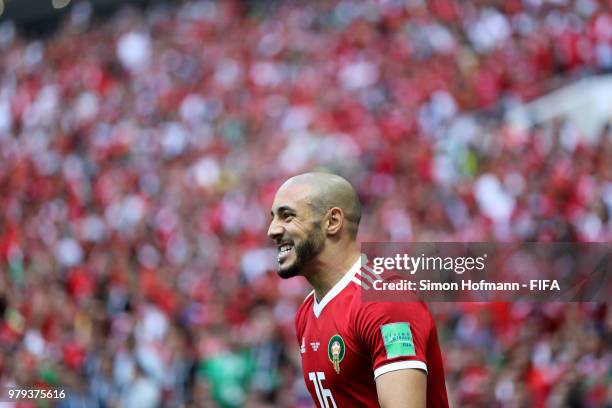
[285,248]
[283,251]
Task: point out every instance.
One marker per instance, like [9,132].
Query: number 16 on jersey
[323,394]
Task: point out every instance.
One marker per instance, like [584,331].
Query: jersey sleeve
[395,335]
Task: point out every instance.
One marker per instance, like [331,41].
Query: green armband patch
[398,339]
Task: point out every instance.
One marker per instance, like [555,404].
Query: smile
[284,251]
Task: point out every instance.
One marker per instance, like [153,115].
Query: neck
[329,269]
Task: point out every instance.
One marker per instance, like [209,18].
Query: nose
[275,231]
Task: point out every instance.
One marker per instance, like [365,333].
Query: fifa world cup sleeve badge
[335,351]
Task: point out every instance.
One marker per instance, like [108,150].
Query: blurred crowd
[139,156]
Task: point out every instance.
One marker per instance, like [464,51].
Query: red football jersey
[346,344]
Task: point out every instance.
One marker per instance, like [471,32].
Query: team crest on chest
[335,350]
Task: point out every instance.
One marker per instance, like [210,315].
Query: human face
[296,230]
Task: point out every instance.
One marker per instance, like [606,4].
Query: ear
[335,220]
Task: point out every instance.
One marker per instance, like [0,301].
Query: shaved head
[326,191]
[313,216]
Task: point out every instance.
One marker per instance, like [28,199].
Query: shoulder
[306,304]
[303,310]
[410,308]
[376,314]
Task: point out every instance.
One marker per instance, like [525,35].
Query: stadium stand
[139,156]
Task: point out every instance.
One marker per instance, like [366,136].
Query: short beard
[304,252]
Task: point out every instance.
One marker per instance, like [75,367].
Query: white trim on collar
[317,307]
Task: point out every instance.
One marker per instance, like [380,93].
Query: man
[354,354]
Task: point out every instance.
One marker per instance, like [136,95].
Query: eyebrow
[281,209]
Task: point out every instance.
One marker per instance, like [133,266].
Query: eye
[287,216]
